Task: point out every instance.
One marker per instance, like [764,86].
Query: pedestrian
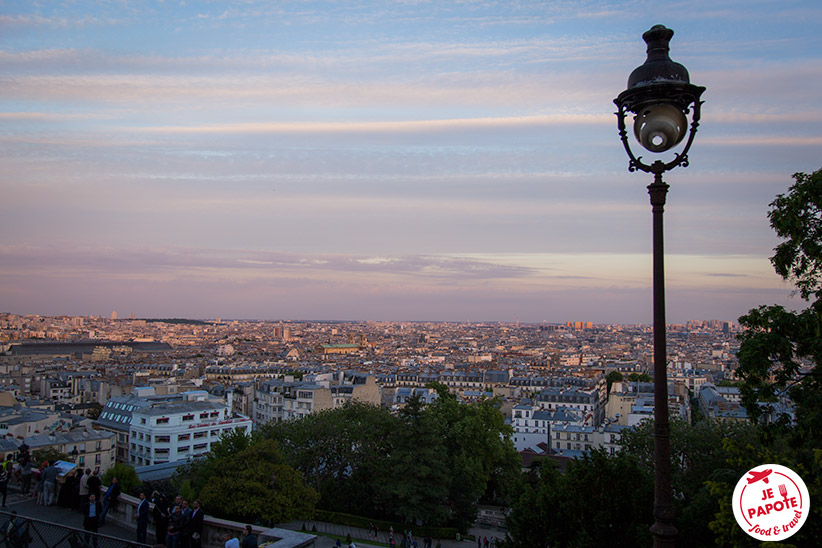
[184,540]
[160,514]
[94,483]
[195,525]
[39,486]
[16,531]
[4,483]
[110,499]
[250,539]
[142,519]
[24,458]
[231,541]
[175,527]
[91,517]
[50,483]
[65,497]
[84,488]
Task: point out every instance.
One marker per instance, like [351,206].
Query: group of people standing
[177,525]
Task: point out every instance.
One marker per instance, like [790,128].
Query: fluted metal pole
[663,529]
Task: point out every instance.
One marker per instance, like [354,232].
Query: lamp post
[661,96]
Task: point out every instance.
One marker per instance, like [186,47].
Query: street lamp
[661,96]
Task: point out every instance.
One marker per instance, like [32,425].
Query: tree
[600,500]
[125,474]
[253,484]
[780,349]
[612,377]
[341,453]
[48,454]
[699,453]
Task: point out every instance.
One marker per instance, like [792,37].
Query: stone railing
[214,529]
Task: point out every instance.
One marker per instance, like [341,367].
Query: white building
[175,431]
[574,440]
[140,418]
[531,427]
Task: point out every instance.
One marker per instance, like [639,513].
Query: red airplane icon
[756,476]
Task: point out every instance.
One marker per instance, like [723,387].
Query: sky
[390,160]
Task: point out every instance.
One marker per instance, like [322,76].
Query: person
[24,458]
[16,530]
[110,499]
[4,483]
[94,483]
[175,527]
[160,515]
[50,483]
[250,539]
[195,526]
[142,518]
[39,487]
[84,489]
[231,541]
[91,517]
[65,497]
[184,540]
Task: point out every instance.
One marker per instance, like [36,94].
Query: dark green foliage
[612,377]
[781,349]
[245,479]
[600,500]
[429,464]
[125,474]
[699,453]
[48,454]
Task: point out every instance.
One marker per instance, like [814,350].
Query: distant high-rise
[113,314]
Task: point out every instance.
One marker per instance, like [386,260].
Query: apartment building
[176,431]
[279,400]
[124,416]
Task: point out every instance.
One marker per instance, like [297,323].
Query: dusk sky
[389,160]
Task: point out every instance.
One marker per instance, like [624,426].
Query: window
[142,420]
[162,439]
[200,446]
[188,418]
[161,452]
[203,415]
[163,420]
[183,437]
[200,435]
[214,414]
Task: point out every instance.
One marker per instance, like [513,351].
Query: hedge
[363,523]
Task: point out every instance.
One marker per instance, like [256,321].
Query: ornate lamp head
[660,95]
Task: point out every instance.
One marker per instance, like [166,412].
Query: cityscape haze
[389,160]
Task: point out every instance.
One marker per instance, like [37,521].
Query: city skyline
[391,160]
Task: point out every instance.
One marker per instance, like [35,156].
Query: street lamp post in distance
[661,96]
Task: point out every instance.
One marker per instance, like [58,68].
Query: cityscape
[408,273]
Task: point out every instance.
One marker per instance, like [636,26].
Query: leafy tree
[94,412]
[612,377]
[699,453]
[125,474]
[639,377]
[341,453]
[478,452]
[48,454]
[780,350]
[600,500]
[417,478]
[254,484]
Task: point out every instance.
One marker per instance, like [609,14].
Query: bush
[363,523]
